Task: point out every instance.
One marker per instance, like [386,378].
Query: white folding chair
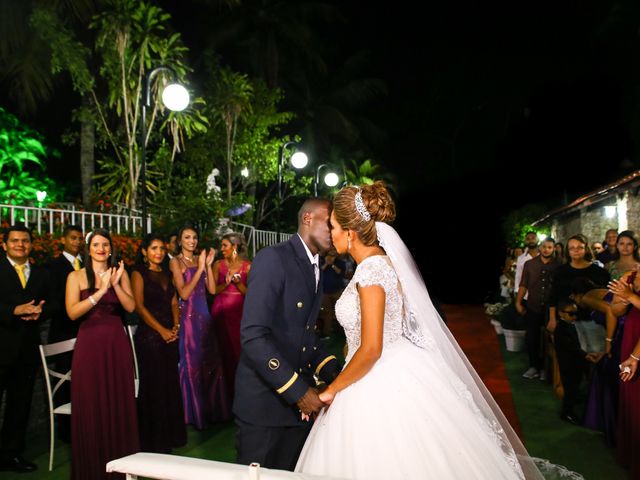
[131,330]
[47,351]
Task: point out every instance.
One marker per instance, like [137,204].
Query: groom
[280,350]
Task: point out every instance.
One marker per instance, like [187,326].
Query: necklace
[187,258]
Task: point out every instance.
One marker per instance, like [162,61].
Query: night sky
[490,107]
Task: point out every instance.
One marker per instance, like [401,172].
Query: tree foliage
[518,222]
[22,162]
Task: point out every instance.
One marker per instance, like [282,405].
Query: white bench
[174,467]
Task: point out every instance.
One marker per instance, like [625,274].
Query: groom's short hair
[310,205]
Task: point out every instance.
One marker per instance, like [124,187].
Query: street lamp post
[298,160]
[175,97]
[330,179]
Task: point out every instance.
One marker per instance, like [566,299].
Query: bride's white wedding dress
[410,416]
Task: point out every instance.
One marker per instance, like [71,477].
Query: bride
[408,404]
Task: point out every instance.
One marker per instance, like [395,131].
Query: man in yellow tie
[25,300]
[62,327]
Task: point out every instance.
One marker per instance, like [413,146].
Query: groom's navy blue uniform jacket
[280,349]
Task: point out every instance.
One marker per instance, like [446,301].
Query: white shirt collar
[27,268]
[312,258]
[70,257]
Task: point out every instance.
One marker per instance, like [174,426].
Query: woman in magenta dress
[230,274]
[104,424]
[204,394]
[160,411]
[629,394]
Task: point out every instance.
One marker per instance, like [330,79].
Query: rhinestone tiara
[362,210]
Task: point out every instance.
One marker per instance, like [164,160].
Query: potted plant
[513,327]
[493,310]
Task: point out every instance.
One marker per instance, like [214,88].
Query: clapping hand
[211,256]
[202,260]
[105,279]
[116,275]
[620,288]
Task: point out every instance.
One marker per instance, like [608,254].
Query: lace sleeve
[371,272]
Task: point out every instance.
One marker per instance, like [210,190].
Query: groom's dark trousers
[280,355]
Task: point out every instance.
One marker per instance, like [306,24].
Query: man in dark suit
[281,352]
[62,327]
[24,300]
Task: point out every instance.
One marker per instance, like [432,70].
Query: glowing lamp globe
[175,97]
[331,179]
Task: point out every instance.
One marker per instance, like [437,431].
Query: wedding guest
[597,248]
[230,274]
[160,412]
[536,282]
[204,393]
[579,268]
[610,240]
[62,327]
[572,359]
[629,414]
[559,248]
[25,300]
[104,424]
[531,242]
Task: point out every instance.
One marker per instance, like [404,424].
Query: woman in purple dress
[160,411]
[230,274]
[202,382]
[104,424]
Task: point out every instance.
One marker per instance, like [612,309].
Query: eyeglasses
[569,313]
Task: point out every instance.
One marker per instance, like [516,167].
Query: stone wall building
[616,205]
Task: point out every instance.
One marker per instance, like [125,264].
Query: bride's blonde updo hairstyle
[376,204]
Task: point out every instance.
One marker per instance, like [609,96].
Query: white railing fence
[256,239]
[53,220]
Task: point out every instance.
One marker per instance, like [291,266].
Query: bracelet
[608,340]
[634,357]
[92,300]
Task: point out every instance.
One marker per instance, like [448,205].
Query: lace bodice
[374,270]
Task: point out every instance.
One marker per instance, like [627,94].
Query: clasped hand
[310,404]
[29,311]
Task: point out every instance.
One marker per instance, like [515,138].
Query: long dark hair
[112,262]
[631,235]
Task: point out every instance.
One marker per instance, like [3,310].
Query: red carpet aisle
[479,341]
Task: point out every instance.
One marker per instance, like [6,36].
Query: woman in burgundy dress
[230,274]
[204,392]
[104,423]
[160,412]
[628,412]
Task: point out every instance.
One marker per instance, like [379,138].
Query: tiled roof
[624,183]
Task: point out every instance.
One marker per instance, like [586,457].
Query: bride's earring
[348,243]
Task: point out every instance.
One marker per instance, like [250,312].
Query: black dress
[160,411]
